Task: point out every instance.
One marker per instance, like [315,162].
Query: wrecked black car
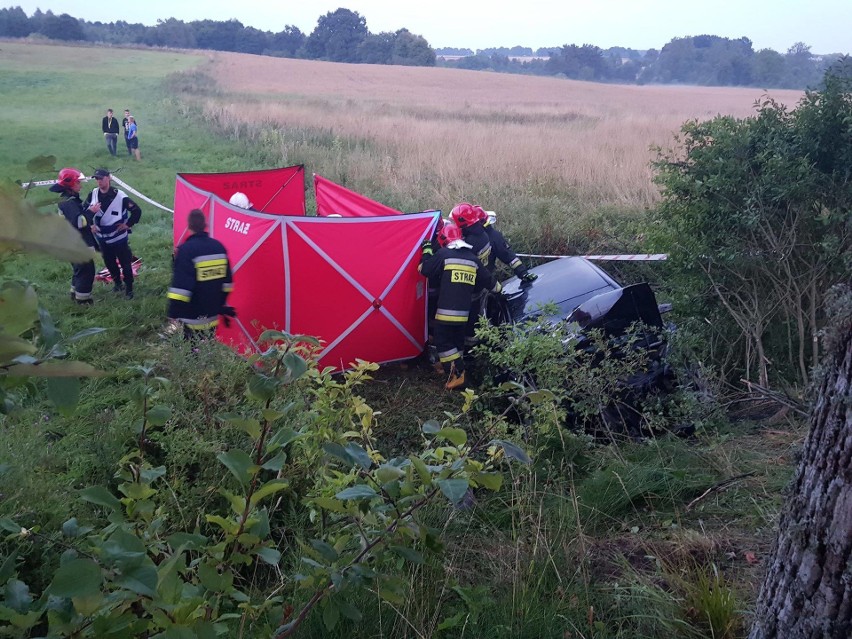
[601,323]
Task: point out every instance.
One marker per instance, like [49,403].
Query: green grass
[570,549]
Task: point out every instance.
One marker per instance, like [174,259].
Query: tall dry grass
[440,135]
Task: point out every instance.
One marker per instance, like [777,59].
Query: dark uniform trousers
[119,254]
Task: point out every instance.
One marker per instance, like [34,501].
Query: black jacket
[476,236]
[462,276]
[201,282]
[72,208]
[500,250]
[110,125]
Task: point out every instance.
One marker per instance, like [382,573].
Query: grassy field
[428,137]
[597,541]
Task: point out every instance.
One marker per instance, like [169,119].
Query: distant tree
[252,40]
[474,62]
[516,51]
[624,53]
[580,63]
[171,33]
[219,36]
[337,36]
[768,68]
[287,42]
[453,51]
[377,48]
[623,70]
[36,20]
[62,27]
[412,50]
[802,70]
[119,32]
[705,60]
[14,23]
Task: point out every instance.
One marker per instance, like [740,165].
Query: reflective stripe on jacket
[462,277]
[201,281]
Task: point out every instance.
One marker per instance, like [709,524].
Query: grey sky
[476,24]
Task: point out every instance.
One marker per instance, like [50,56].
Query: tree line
[701,60]
[339,36]
[343,36]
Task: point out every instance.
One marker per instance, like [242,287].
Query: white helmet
[241,200]
[492,217]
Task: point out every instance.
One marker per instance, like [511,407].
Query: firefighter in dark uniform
[72,208]
[201,281]
[466,217]
[500,249]
[462,276]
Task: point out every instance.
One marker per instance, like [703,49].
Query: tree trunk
[807,593]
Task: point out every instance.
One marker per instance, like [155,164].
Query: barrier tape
[124,185]
[638,257]
[143,197]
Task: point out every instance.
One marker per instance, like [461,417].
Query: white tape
[638,257]
[29,185]
[124,185]
[143,197]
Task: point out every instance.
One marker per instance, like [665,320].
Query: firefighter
[241,200]
[201,282]
[466,217]
[462,276]
[114,215]
[429,247]
[500,249]
[72,208]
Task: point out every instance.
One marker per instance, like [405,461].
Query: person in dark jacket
[462,276]
[109,125]
[488,243]
[500,249]
[71,206]
[114,214]
[201,281]
[466,217]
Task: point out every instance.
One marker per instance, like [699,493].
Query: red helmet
[481,215]
[68,177]
[449,233]
[464,215]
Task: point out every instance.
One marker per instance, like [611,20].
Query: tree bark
[807,592]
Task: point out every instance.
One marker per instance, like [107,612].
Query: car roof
[566,282]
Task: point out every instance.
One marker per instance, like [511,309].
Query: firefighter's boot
[455,381]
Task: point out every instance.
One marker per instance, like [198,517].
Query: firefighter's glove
[528,277]
[227,312]
[426,247]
